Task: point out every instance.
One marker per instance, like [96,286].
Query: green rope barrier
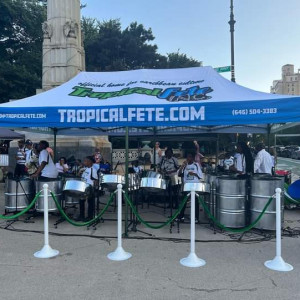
[147,224]
[24,211]
[238,230]
[78,224]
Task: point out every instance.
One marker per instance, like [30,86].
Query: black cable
[106,238]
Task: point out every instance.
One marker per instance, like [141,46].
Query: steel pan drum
[152,174]
[175,180]
[200,187]
[18,194]
[111,181]
[75,188]
[133,182]
[55,186]
[153,185]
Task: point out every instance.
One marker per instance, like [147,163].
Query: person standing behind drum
[191,173]
[32,161]
[90,177]
[169,164]
[263,161]
[157,154]
[21,159]
[243,160]
[62,166]
[46,169]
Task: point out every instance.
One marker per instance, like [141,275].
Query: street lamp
[231,23]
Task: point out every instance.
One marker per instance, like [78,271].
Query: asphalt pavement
[234,269]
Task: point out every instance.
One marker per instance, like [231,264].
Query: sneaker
[196,221]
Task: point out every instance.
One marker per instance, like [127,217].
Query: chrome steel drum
[175,180]
[75,188]
[134,182]
[261,191]
[231,201]
[55,186]
[111,181]
[199,187]
[153,185]
[152,174]
[210,200]
[18,194]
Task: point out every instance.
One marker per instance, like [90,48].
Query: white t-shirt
[263,162]
[227,163]
[60,168]
[137,169]
[195,168]
[89,175]
[50,170]
[240,162]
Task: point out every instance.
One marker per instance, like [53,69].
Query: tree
[109,48]
[21,48]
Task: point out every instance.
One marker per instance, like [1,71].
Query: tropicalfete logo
[172,94]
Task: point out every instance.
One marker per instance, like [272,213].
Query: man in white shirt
[46,169]
[263,161]
[192,173]
[90,177]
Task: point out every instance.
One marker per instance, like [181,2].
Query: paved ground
[289,164]
[234,270]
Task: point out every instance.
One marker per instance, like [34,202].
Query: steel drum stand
[100,220]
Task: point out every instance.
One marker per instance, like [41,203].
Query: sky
[267,32]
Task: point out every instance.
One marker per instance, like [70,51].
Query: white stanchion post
[46,251]
[278,264]
[119,254]
[192,261]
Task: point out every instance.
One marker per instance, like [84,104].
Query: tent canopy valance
[189,97]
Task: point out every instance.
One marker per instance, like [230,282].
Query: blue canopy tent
[170,100]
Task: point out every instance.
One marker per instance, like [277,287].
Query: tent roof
[190,97]
[7,134]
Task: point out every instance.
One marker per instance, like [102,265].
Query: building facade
[289,84]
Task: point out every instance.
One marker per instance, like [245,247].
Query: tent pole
[268,136]
[217,151]
[54,146]
[126,178]
[154,149]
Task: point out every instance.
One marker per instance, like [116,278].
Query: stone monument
[63,52]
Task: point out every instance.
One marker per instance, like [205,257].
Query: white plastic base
[46,252]
[278,264]
[119,254]
[192,261]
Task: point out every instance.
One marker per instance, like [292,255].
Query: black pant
[20,170]
[91,206]
[181,215]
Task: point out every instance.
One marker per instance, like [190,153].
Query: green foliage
[109,48]
[20,48]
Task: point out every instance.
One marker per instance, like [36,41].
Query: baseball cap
[28,142]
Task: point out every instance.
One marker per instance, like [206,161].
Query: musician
[90,177]
[169,164]
[263,161]
[157,153]
[46,170]
[136,168]
[28,149]
[62,166]
[32,160]
[191,173]
[20,169]
[168,167]
[243,160]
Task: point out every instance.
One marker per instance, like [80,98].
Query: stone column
[63,53]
